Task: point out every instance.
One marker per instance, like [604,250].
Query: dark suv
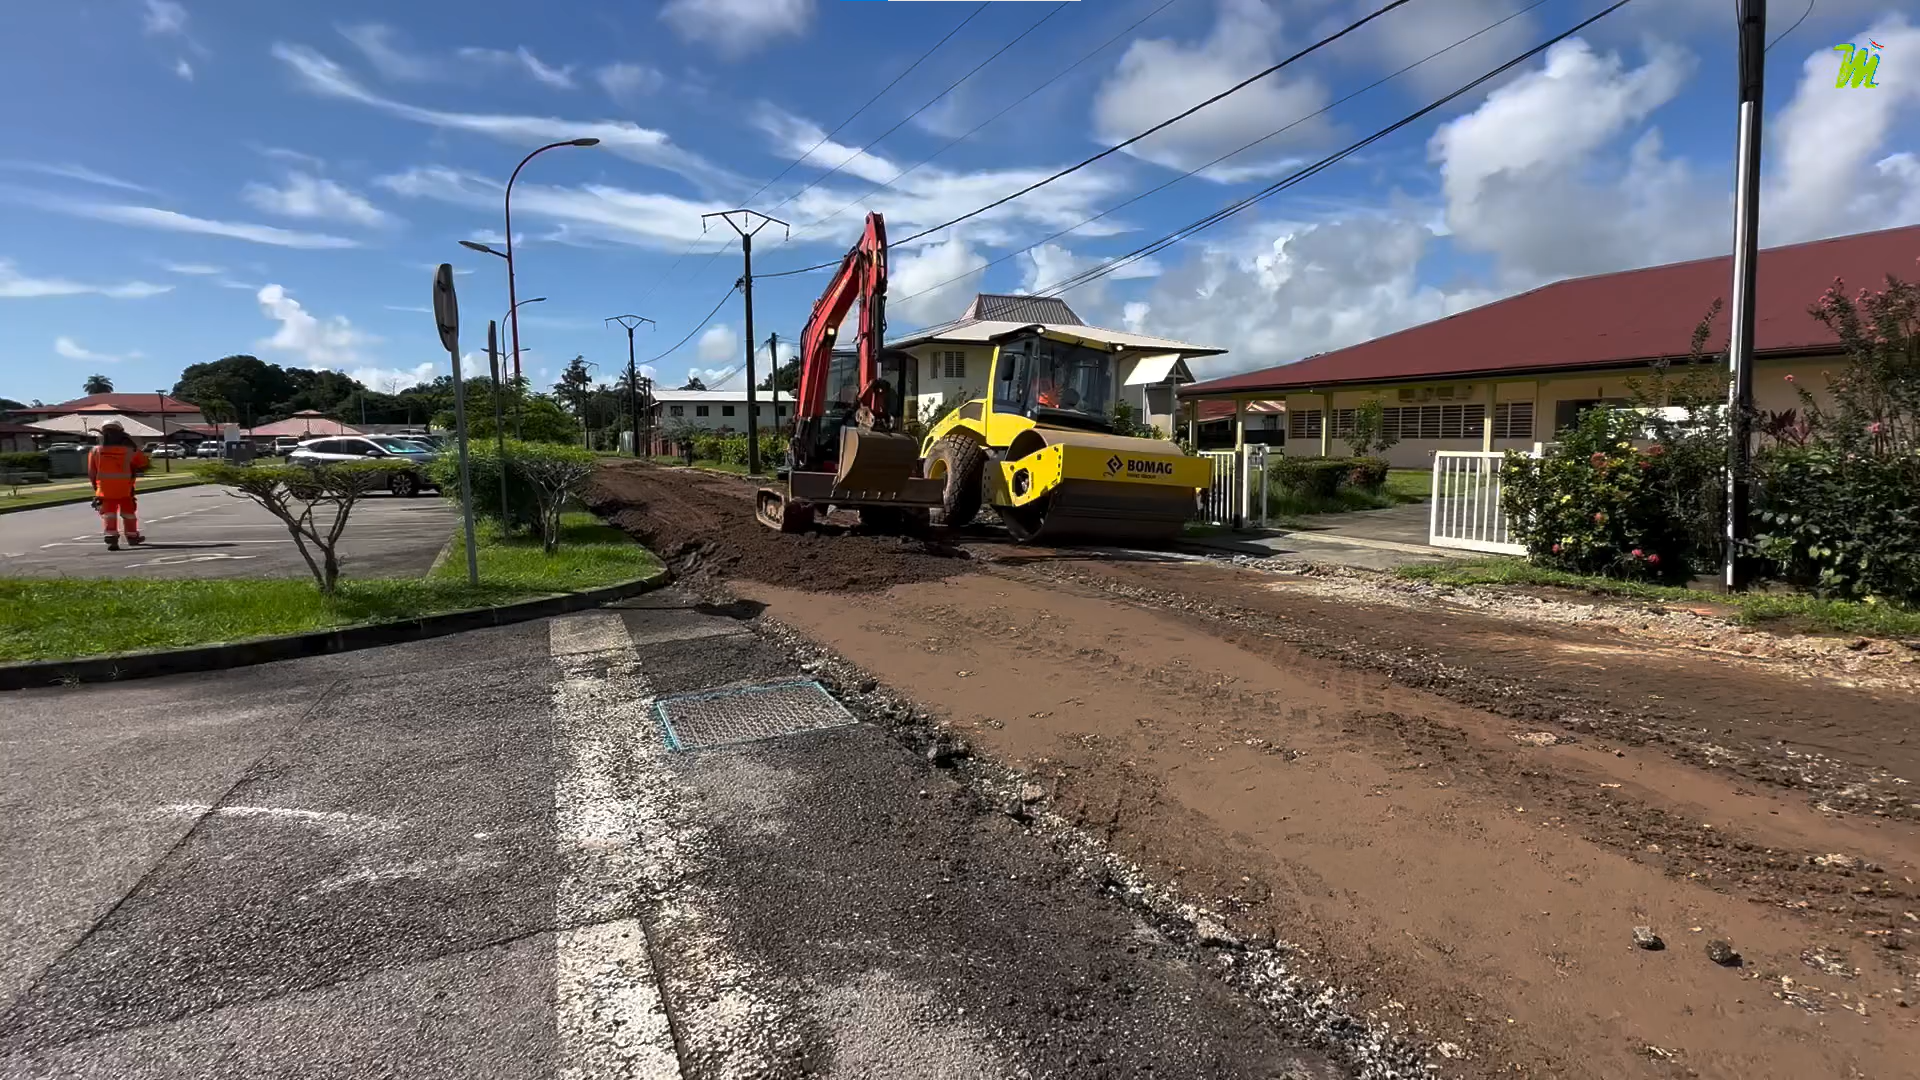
[340,448]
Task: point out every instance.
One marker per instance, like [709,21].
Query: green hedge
[1842,524]
[1596,504]
[24,461]
[483,472]
[731,449]
[1324,476]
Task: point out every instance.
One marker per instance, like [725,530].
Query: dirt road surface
[1455,818]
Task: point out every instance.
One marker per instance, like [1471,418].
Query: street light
[512,305]
[633,375]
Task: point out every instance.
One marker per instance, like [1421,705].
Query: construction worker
[112,466]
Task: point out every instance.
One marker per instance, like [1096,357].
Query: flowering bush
[1595,504]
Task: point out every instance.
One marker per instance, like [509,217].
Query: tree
[7,403]
[1370,435]
[786,378]
[292,493]
[694,382]
[557,475]
[98,384]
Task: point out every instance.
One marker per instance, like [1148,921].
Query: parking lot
[207,532]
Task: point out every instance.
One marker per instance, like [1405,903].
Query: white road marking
[178,560]
[291,813]
[610,1015]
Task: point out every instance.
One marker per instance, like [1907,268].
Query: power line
[929,104]
[1110,265]
[1017,102]
[703,325]
[1790,29]
[908,70]
[1117,147]
[1229,154]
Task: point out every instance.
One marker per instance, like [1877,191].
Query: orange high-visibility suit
[112,468]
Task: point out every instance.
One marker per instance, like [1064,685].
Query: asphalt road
[205,531]
[479,856]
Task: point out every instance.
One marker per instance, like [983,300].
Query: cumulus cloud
[737,27]
[15,285]
[73,350]
[304,196]
[720,343]
[319,343]
[931,284]
[1157,77]
[1411,33]
[322,76]
[389,380]
[1052,264]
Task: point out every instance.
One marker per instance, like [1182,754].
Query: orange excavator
[850,450]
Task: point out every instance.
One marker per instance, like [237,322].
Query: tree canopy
[246,390]
[98,384]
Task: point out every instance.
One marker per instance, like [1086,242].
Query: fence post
[1433,504]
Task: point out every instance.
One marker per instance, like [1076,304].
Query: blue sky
[186,180]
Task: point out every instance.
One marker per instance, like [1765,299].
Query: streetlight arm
[513,307]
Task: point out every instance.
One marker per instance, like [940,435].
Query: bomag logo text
[1137,467]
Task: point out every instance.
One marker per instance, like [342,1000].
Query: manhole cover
[748,714]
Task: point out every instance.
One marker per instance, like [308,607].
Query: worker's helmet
[111,425]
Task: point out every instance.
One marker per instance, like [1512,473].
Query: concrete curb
[80,497]
[143,665]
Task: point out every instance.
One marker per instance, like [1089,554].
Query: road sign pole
[446,312]
[499,425]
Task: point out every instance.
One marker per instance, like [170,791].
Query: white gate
[1466,511]
[1239,492]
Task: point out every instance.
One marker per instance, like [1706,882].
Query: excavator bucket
[874,462]
[1057,485]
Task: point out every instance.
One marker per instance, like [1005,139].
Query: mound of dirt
[703,524]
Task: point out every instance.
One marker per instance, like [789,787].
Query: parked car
[208,448]
[284,445]
[164,450]
[329,451]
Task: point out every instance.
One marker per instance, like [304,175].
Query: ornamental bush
[1310,476]
[24,461]
[1595,504]
[1841,523]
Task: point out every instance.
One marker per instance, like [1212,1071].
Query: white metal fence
[1239,492]
[1466,511]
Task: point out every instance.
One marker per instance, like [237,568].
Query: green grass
[58,618]
[31,497]
[1787,610]
[1403,486]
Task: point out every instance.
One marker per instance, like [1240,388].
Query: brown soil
[704,525]
[1459,818]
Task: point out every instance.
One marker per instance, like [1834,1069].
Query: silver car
[339,448]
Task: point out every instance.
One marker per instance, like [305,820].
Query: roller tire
[965,462]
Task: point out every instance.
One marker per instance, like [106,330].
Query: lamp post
[508,254]
[165,459]
[633,374]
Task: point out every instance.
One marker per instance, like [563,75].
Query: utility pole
[633,374]
[773,375]
[1746,251]
[746,288]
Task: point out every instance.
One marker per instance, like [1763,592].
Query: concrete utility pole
[633,373]
[746,289]
[1746,251]
[773,375]
[499,426]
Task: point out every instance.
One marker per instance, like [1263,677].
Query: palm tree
[99,384]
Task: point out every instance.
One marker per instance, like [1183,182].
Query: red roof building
[129,404]
[1512,372]
[305,424]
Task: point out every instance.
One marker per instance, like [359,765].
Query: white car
[341,448]
[208,448]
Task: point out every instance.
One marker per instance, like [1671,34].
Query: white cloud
[930,195]
[392,380]
[73,350]
[1051,264]
[293,157]
[1831,169]
[720,343]
[1156,78]
[164,18]
[319,343]
[307,197]
[17,286]
[192,269]
[558,78]
[412,309]
[626,83]
[154,218]
[381,46]
[599,211]
[71,171]
[645,145]
[930,284]
[737,27]
[720,378]
[1411,33]
[183,69]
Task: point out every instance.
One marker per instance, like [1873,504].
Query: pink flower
[1656,450]
[1636,553]
[1654,560]
[1556,549]
[1789,378]
[1873,428]
[1599,518]
[1598,460]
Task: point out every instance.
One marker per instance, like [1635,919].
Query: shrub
[292,493]
[1367,473]
[1841,523]
[1313,476]
[24,461]
[1370,435]
[557,474]
[1595,504]
[522,509]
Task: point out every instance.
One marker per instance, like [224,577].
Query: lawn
[1403,486]
[57,618]
[71,491]
[1789,610]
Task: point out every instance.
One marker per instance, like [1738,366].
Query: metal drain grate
[748,714]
